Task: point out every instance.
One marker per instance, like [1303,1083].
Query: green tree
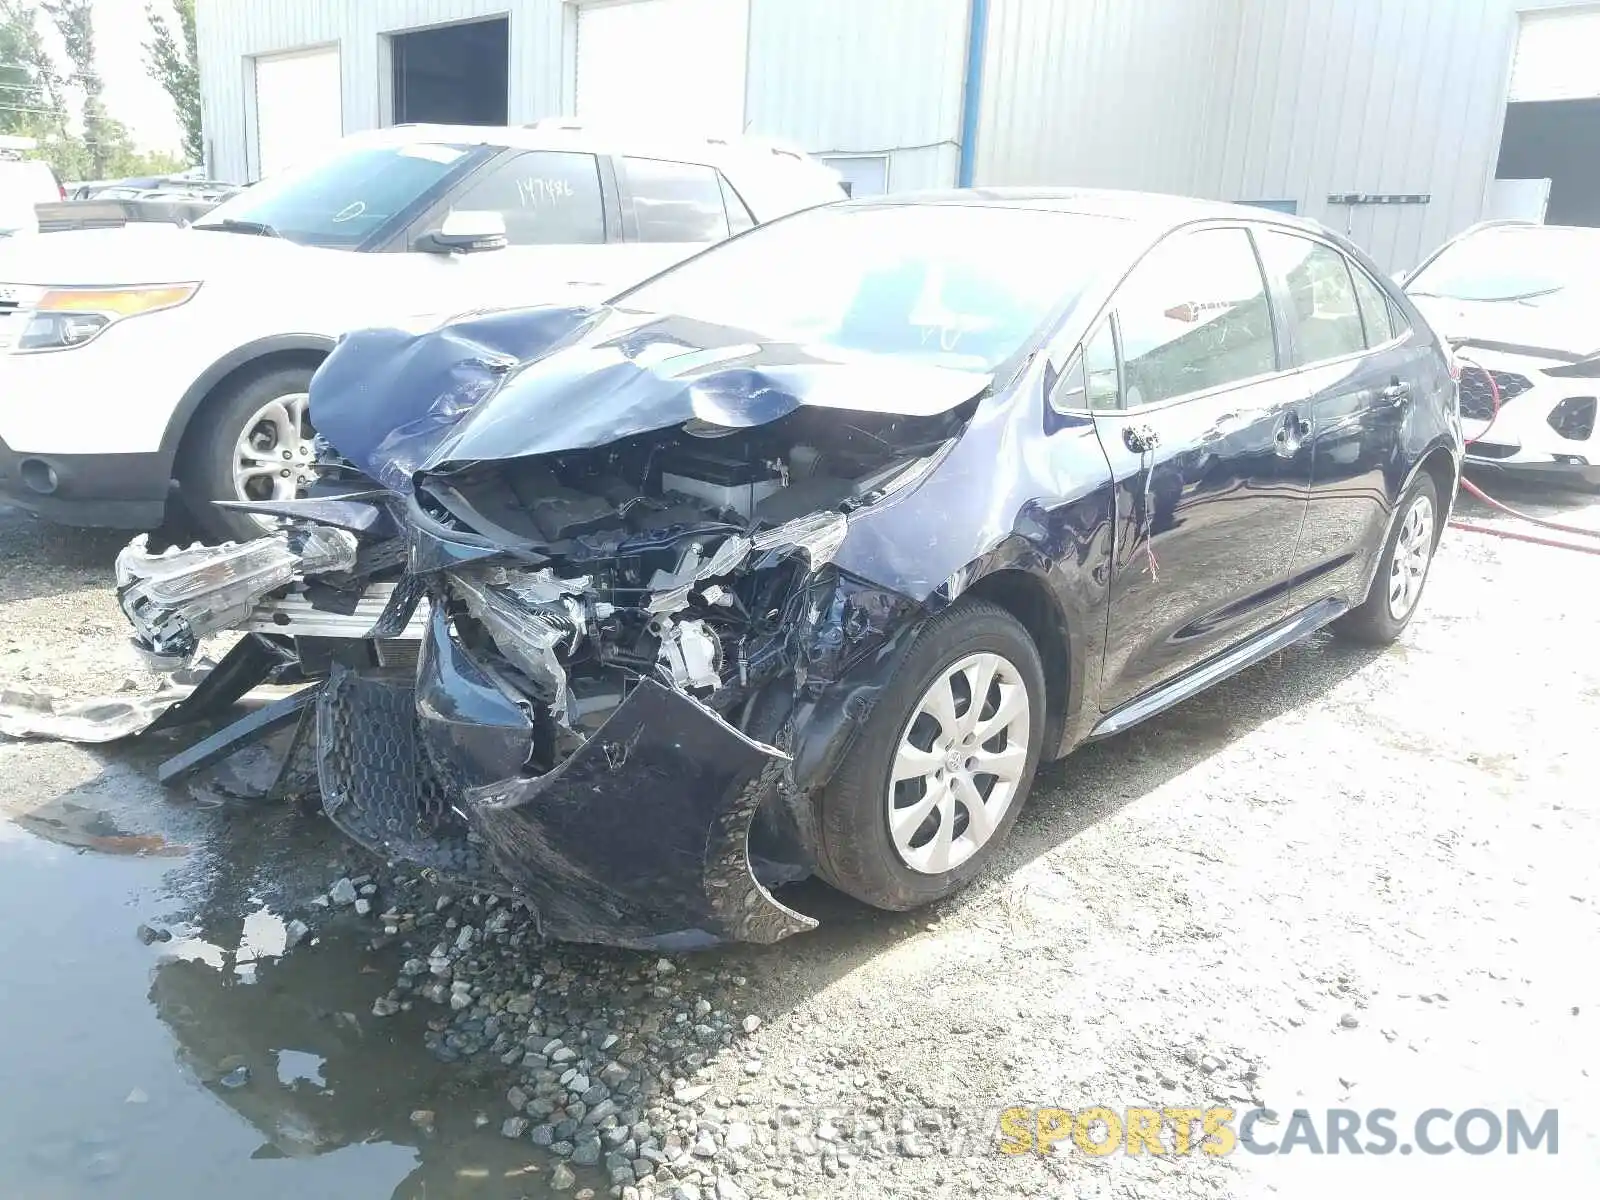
[74,21]
[174,64]
[30,89]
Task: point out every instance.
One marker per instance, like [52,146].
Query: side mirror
[467,232]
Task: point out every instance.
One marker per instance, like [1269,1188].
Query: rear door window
[676,202]
[1194,316]
[1327,315]
[547,197]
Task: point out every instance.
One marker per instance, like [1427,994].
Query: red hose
[1474,490]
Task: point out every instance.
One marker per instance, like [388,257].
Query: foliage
[34,101]
[174,64]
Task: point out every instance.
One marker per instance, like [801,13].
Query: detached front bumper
[638,839]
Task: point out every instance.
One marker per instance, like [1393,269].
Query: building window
[863,174]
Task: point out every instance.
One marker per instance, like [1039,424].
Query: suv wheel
[251,442]
[942,766]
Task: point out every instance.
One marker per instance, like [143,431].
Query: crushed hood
[541,381]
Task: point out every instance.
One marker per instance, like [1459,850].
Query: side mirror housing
[469,232]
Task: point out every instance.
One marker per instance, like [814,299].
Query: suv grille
[1477,392]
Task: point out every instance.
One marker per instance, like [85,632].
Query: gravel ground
[1344,879]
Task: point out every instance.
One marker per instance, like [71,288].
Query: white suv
[24,184]
[134,359]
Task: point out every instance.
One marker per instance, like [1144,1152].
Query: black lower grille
[1573,418]
[377,783]
[1479,387]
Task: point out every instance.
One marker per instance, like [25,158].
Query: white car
[1520,305]
[24,184]
[136,359]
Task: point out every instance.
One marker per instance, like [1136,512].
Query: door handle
[1396,393]
[1295,428]
[1140,438]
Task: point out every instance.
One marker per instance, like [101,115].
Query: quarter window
[548,198]
[1194,316]
[676,202]
[1091,381]
[1327,316]
[1374,306]
[739,218]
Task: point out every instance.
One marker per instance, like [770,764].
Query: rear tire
[1402,571]
[974,644]
[210,462]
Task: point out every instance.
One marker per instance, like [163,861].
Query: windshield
[344,200]
[948,285]
[1514,262]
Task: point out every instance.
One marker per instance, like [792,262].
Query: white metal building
[1391,119]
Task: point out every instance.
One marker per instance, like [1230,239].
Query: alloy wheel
[274,458]
[958,763]
[1413,550]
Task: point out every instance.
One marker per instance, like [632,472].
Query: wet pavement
[212,1063]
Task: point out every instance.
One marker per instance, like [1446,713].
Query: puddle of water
[136,1070]
[85,828]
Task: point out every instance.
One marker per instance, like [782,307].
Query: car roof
[565,134]
[1152,208]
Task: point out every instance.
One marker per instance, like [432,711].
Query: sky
[131,96]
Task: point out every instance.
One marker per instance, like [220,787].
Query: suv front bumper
[113,491]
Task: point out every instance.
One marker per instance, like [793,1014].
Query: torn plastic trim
[528,637]
[176,598]
[640,838]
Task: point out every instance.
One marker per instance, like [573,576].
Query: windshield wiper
[258,228]
[1549,291]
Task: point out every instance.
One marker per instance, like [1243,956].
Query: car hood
[1556,327]
[144,252]
[540,381]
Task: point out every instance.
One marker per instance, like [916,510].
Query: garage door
[674,62]
[1558,57]
[299,107]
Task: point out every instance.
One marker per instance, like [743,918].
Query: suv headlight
[66,318]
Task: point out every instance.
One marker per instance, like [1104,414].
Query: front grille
[378,785]
[1478,392]
[1573,418]
[1490,450]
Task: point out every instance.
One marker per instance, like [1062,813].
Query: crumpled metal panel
[545,380]
[639,839]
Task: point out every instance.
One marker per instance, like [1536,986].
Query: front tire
[1402,571]
[252,441]
[942,766]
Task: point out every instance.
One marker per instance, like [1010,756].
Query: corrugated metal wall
[1099,93]
[230,32]
[1259,100]
[862,76]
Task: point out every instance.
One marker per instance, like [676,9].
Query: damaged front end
[568,669]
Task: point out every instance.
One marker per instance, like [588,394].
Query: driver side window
[548,198]
[1194,316]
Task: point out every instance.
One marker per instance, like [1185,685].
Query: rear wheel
[1402,572]
[942,767]
[250,442]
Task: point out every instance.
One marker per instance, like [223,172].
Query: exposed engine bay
[640,614]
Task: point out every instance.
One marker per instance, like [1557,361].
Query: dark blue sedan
[801,556]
